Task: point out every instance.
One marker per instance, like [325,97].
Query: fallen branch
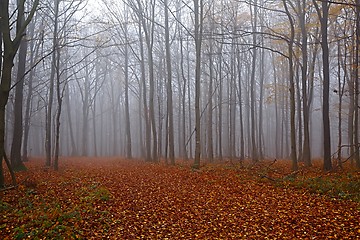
[267,177]
[8,188]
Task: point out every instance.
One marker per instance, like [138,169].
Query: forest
[119,115]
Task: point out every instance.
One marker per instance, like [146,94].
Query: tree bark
[27,117]
[306,155]
[170,110]
[198,10]
[357,50]
[323,15]
[10,47]
[15,156]
[292,89]
[127,108]
[254,150]
[48,127]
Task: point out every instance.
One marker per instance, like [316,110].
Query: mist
[149,80]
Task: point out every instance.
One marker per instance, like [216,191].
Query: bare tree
[170,112]
[292,87]
[323,14]
[198,20]
[10,46]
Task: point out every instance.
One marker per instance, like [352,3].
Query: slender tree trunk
[27,117]
[15,155]
[340,92]
[210,146]
[198,10]
[232,103]
[169,88]
[239,70]
[220,105]
[277,121]
[306,155]
[190,117]
[69,120]
[144,97]
[292,89]
[149,31]
[357,50]
[127,108]
[298,109]
[183,133]
[58,113]
[323,16]
[85,112]
[261,103]
[48,127]
[254,150]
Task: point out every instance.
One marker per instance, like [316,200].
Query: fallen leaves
[121,199]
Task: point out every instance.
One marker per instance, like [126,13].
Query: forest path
[122,199]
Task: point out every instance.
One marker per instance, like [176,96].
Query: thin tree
[48,125]
[323,14]
[10,46]
[254,150]
[306,155]
[170,112]
[15,155]
[291,87]
[198,26]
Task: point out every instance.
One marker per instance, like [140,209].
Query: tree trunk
[306,155]
[15,156]
[27,118]
[69,121]
[4,96]
[48,127]
[323,16]
[183,105]
[85,112]
[220,105]
[292,89]
[357,50]
[254,150]
[198,10]
[144,97]
[239,69]
[210,147]
[169,88]
[58,113]
[127,108]
[10,48]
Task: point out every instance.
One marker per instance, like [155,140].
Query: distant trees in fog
[181,79]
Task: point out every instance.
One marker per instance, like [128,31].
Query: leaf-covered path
[120,199]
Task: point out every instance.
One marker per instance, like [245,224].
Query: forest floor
[122,199]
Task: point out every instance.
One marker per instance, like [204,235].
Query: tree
[254,150]
[198,26]
[55,46]
[34,55]
[357,53]
[148,25]
[323,14]
[15,156]
[170,111]
[306,155]
[292,87]
[9,50]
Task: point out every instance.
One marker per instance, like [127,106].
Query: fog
[104,69]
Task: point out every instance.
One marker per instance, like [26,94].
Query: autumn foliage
[123,199]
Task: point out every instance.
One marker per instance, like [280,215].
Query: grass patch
[338,186]
[95,193]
